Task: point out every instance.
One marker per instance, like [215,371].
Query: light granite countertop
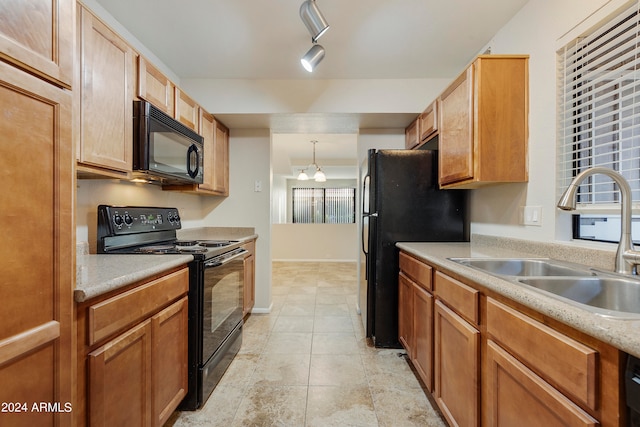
[623,334]
[97,274]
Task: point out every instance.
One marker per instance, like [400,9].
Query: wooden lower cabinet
[135,375]
[120,380]
[249,291]
[499,363]
[416,316]
[515,393]
[169,364]
[36,205]
[416,327]
[457,367]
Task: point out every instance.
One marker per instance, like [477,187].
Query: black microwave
[164,149]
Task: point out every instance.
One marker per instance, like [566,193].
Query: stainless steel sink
[522,267]
[616,294]
[603,293]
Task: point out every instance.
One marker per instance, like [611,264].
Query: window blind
[323,205]
[599,108]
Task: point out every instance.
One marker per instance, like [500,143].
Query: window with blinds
[599,108]
[324,205]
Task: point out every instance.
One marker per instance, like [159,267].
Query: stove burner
[186,242]
[214,243]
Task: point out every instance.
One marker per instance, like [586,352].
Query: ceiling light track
[317,26]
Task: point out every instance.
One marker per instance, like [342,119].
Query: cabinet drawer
[566,363]
[114,314]
[460,297]
[416,270]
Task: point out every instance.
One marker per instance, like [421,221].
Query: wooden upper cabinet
[483,124]
[411,135]
[155,87]
[456,130]
[187,110]
[221,160]
[208,132]
[106,77]
[428,122]
[37,35]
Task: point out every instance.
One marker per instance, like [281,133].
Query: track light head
[312,58]
[313,19]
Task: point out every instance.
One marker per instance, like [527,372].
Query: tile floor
[307,363]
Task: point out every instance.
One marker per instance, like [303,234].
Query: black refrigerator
[401,202]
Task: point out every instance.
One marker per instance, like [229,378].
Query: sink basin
[615,294]
[522,267]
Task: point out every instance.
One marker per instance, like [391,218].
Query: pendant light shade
[313,19]
[312,58]
[319,176]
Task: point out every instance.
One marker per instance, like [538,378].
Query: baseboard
[262,310]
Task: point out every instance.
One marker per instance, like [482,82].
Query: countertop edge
[98,274]
[620,333]
[152,266]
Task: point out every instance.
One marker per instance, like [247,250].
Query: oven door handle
[221,260]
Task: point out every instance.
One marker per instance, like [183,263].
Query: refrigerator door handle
[362,241]
[365,195]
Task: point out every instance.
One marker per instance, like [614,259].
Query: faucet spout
[626,256]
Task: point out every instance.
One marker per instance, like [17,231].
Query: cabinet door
[423,335]
[187,111]
[405,314]
[120,380]
[208,132]
[37,35]
[36,163]
[456,367]
[455,146]
[221,160]
[155,87]
[514,393]
[106,105]
[169,360]
[411,135]
[428,122]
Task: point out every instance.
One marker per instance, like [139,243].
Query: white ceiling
[367,39]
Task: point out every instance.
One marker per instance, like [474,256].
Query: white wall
[535,30]
[249,161]
[313,242]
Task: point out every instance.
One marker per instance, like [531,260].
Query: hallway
[307,363]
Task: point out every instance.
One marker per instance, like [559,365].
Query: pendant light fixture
[319,175]
[313,19]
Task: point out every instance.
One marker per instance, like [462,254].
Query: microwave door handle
[191,153]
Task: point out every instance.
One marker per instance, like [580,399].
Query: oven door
[222,300]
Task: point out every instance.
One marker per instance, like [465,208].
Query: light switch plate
[532,215]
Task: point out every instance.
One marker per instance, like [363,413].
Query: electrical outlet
[532,215]
[257,186]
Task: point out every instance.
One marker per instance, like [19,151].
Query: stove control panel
[117,220]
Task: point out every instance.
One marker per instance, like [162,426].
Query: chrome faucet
[626,257]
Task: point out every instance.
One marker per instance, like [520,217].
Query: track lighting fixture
[313,19]
[312,58]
